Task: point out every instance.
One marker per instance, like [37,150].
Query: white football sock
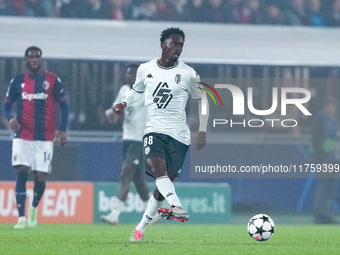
[150,212]
[22,218]
[117,206]
[145,204]
[167,189]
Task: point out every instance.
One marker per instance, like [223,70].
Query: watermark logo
[239,100]
[281,98]
[209,93]
[204,99]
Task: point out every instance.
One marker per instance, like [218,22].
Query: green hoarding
[206,203]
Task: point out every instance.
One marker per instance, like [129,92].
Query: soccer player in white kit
[133,130]
[166,83]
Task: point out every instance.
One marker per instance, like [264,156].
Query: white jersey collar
[169,67]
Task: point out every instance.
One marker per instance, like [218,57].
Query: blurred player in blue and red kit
[36,93]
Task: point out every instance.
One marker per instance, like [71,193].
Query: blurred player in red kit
[36,93]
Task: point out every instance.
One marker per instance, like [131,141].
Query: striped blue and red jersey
[37,97]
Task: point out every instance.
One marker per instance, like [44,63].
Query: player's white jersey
[134,116]
[166,95]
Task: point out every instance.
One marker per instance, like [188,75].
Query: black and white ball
[261,227]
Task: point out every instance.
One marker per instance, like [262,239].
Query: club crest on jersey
[147,150]
[22,85]
[162,95]
[178,78]
[46,85]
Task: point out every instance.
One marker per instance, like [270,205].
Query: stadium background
[89,56]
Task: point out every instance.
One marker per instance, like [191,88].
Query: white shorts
[35,154]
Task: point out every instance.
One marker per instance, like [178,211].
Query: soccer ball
[261,227]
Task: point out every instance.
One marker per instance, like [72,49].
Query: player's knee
[126,177]
[40,177]
[128,167]
[156,166]
[139,180]
[22,168]
[157,171]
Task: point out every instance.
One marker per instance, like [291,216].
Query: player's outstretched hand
[119,108]
[14,124]
[112,116]
[201,140]
[61,137]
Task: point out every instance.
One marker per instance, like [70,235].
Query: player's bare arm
[201,140]
[112,116]
[131,98]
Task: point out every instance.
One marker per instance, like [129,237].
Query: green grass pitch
[177,238]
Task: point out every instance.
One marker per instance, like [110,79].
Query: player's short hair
[32,48]
[171,31]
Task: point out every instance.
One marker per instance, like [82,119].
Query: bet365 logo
[162,95]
